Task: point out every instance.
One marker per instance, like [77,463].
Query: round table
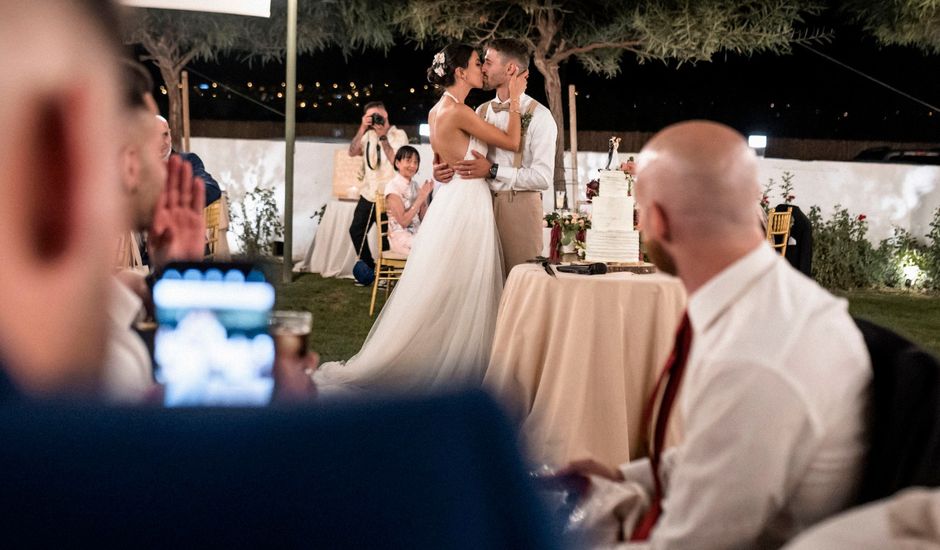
[575,358]
[332,254]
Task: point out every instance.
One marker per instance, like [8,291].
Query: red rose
[862,217]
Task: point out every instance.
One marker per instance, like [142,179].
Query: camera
[378,120]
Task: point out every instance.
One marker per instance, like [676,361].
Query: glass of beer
[290,330]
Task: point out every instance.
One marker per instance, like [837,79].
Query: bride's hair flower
[438,63]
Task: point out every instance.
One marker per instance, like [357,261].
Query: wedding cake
[612,237]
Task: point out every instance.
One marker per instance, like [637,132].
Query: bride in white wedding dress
[436,329]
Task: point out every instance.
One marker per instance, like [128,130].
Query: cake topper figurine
[612,156]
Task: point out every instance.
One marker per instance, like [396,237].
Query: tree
[598,32]
[174,38]
[900,22]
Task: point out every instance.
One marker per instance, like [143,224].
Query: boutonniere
[526,119]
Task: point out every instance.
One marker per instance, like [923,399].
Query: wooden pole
[573,139]
[185,77]
[290,113]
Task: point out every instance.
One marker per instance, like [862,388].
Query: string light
[317,84]
[412,90]
[352,84]
[283,84]
[250,84]
[300,87]
[280,95]
[215,85]
[303,104]
[335,85]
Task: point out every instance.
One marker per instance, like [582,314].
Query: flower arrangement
[568,231]
[593,187]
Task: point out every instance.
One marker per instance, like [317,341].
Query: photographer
[377,142]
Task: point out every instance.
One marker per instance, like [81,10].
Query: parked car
[902,156]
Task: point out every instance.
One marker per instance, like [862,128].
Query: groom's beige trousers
[519,224]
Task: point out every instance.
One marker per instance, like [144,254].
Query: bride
[437,327]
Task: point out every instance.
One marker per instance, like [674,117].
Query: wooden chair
[778,229]
[388,265]
[213,232]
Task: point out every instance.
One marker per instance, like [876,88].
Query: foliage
[842,255]
[598,32]
[786,191]
[571,223]
[318,215]
[932,251]
[900,22]
[258,221]
[174,38]
[844,259]
[900,262]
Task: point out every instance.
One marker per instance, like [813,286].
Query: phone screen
[212,345]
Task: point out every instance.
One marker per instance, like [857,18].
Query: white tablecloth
[575,359]
[331,253]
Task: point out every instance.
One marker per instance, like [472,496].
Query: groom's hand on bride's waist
[442,171]
[477,167]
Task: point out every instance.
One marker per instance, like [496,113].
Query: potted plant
[259,225]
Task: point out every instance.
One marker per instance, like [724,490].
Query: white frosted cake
[612,237]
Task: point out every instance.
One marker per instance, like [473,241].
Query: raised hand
[517,84]
[425,191]
[178,231]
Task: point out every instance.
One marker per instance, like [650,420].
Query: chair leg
[375,288]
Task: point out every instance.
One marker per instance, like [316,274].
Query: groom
[516,179]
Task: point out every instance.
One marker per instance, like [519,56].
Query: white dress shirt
[127,365]
[374,179]
[538,155]
[772,404]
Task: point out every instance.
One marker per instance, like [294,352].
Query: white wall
[887,194]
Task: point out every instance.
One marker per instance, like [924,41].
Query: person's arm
[734,470]
[427,188]
[390,141]
[540,139]
[213,190]
[396,207]
[355,146]
[468,121]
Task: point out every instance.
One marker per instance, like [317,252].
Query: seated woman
[404,203]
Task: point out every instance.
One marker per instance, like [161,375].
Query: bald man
[774,385]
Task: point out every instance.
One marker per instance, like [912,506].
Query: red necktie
[675,367]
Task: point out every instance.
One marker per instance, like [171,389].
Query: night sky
[800,95]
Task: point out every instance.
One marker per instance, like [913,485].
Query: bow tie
[499,107]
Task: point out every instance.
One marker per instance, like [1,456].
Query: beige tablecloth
[575,358]
[332,253]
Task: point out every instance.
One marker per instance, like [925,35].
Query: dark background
[800,95]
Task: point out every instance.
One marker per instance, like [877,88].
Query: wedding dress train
[436,329]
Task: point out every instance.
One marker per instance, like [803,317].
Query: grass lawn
[341,313]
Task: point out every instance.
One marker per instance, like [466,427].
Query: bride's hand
[517,84]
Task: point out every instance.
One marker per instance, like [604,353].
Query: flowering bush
[786,191]
[844,259]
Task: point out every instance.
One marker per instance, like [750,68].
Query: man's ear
[51,197]
[130,168]
[656,222]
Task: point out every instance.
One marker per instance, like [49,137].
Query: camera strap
[378,156]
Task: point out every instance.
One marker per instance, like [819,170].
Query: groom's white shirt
[538,156]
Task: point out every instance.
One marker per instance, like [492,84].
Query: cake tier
[613,183]
[612,213]
[612,246]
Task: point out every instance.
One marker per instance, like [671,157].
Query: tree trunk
[171,79]
[553,91]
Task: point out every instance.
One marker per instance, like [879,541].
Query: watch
[493,169]
[383,138]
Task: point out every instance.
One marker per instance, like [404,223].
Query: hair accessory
[438,64]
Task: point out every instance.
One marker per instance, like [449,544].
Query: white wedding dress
[436,329]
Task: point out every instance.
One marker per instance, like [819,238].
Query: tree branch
[629,45]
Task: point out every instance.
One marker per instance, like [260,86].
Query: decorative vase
[568,248]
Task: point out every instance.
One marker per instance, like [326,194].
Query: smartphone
[212,346]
